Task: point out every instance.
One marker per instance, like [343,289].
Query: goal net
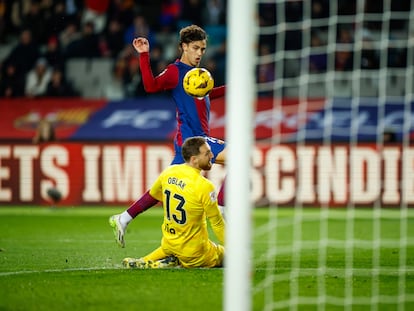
[333,159]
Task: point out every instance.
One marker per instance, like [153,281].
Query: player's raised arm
[141,45]
[166,80]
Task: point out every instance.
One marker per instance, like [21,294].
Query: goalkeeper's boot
[118,229]
[167,262]
[136,263]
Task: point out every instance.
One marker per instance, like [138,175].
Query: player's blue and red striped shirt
[192,114]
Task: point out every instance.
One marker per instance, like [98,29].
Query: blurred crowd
[334,35]
[45,34]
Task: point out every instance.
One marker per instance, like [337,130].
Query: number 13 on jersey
[174,206]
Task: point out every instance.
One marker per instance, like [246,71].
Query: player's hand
[141,45]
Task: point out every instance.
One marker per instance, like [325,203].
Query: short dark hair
[192,33]
[191,147]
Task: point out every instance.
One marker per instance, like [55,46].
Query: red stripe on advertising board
[19,117]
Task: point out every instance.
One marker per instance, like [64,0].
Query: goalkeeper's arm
[218,225]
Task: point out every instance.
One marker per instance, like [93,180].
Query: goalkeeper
[188,199]
[192,113]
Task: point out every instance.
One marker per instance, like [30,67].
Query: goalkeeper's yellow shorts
[214,257]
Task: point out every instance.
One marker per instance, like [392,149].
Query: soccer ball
[198,82]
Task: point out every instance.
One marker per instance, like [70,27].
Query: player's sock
[125,219]
[141,205]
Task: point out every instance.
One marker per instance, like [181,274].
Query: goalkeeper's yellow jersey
[188,200]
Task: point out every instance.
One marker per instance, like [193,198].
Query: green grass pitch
[66,259]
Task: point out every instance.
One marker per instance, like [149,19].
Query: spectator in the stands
[87,46]
[115,89]
[123,11]
[134,86]
[267,14]
[45,132]
[5,23]
[215,13]
[139,28]
[265,71]
[369,54]
[58,19]
[35,20]
[320,9]
[192,12]
[11,84]
[69,35]
[170,12]
[25,54]
[95,11]
[166,38]
[344,52]
[113,37]
[318,59]
[53,53]
[72,8]
[37,79]
[58,86]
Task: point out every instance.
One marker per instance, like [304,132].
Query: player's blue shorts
[216,145]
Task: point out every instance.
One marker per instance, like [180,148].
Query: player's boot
[118,229]
[167,262]
[136,263]
[139,263]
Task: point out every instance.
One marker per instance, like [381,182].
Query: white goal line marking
[302,272]
[58,270]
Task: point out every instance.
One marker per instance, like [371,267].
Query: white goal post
[240,99]
[326,87]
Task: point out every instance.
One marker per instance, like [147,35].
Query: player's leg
[155,255]
[220,158]
[218,147]
[161,259]
[157,259]
[144,262]
[120,222]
